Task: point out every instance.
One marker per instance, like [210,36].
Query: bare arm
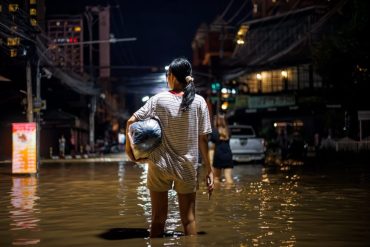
[128,139]
[203,146]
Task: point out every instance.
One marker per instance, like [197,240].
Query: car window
[241,131]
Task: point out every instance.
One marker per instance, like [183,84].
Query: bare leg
[229,175]
[217,175]
[159,202]
[187,212]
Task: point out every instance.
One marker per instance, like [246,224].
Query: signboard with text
[24,148]
[269,101]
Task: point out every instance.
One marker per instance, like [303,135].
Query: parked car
[245,145]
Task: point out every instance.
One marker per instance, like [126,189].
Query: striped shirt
[178,152]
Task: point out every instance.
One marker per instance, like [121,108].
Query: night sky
[164,28]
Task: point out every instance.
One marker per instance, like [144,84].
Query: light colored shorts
[160,180]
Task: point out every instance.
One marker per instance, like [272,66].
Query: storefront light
[240,42]
[224,106]
[284,74]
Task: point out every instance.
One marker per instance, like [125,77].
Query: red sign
[24,148]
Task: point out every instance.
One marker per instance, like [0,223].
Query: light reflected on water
[71,204]
[23,211]
[275,209]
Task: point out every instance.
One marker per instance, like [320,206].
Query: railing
[352,146]
[345,145]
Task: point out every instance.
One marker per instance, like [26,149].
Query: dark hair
[180,68]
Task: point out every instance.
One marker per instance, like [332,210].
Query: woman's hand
[210,183]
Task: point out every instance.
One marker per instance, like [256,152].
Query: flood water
[73,204]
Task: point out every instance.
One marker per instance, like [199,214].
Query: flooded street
[73,204]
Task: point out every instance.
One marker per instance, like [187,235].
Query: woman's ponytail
[189,94]
[181,69]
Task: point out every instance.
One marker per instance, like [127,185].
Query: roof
[284,39]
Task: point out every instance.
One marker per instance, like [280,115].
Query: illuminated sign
[70,40]
[24,148]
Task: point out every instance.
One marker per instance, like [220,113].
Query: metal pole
[29,92]
[360,130]
[89,18]
[38,115]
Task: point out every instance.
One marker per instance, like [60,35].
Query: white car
[244,144]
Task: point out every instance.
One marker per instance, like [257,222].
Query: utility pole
[89,19]
[38,114]
[29,92]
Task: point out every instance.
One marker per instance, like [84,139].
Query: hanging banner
[24,148]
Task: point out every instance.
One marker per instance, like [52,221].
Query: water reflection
[173,220]
[267,206]
[143,193]
[23,211]
[278,199]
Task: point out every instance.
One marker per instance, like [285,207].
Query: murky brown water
[71,204]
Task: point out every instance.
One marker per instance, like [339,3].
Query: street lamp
[145,98]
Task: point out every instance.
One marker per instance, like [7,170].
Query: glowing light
[224,90]
[284,73]
[166,67]
[33,11]
[13,41]
[13,7]
[145,98]
[24,148]
[259,76]
[77,29]
[225,105]
[240,42]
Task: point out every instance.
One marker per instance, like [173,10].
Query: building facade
[274,70]
[65,44]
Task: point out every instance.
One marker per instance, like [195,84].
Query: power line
[131,57]
[226,9]
[261,42]
[237,12]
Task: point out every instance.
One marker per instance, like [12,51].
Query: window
[266,82]
[304,76]
[13,7]
[255,8]
[33,11]
[241,131]
[33,22]
[277,81]
[317,80]
[292,78]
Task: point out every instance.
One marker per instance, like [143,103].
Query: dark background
[164,28]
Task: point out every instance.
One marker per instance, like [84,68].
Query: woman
[173,164]
[222,157]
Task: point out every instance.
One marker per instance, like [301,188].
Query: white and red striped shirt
[178,152]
